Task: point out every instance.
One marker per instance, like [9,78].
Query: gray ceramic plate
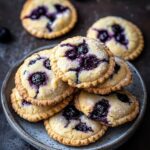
[35,134]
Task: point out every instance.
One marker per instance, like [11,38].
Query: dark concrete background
[89,11]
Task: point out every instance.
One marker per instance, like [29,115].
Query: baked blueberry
[89,62]
[70,112]
[25,103]
[38,12]
[38,79]
[60,8]
[103,35]
[123,97]
[100,111]
[46,64]
[117,29]
[83,127]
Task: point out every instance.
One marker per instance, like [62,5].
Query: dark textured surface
[89,11]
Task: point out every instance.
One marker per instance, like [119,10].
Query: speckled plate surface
[35,134]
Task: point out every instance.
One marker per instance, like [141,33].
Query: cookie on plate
[32,112]
[122,37]
[37,83]
[112,110]
[71,127]
[82,62]
[120,78]
[48,18]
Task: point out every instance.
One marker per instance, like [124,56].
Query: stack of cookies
[77,89]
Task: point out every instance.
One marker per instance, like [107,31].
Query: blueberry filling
[121,39]
[100,111]
[123,98]
[71,113]
[60,8]
[43,11]
[35,60]
[103,35]
[46,64]
[83,127]
[25,103]
[116,69]
[118,35]
[76,51]
[89,62]
[117,29]
[86,62]
[38,12]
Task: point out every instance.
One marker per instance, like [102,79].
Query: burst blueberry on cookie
[114,109]
[120,78]
[82,62]
[71,127]
[48,18]
[37,83]
[34,113]
[122,37]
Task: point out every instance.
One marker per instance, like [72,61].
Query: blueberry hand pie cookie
[112,110]
[122,37]
[121,77]
[71,127]
[82,62]
[48,18]
[37,83]
[32,112]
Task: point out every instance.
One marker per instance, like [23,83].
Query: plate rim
[37,144]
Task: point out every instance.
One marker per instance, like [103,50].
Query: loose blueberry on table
[42,11]
[100,111]
[5,35]
[80,54]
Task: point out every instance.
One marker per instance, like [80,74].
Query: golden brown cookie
[48,18]
[120,78]
[122,37]
[112,110]
[82,62]
[71,127]
[37,83]
[32,112]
